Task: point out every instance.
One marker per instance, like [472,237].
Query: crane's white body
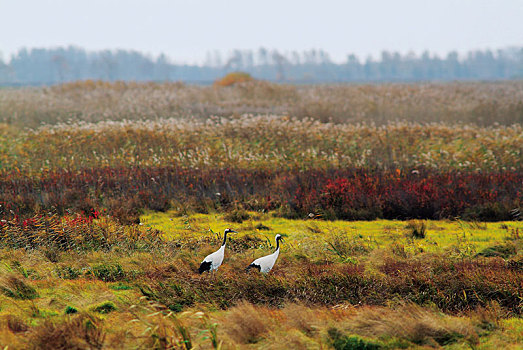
[266,263]
[214,260]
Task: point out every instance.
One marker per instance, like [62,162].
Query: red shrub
[344,194]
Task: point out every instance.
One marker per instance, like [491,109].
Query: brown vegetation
[451,286]
[478,103]
[78,332]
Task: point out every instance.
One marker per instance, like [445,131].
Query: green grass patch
[340,341]
[440,235]
[70,310]
[108,272]
[504,251]
[104,308]
[120,286]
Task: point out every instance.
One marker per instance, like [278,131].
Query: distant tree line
[51,66]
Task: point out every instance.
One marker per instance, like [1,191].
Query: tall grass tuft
[414,323]
[246,323]
[16,288]
[78,332]
[416,229]
[163,329]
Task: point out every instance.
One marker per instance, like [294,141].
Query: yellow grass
[441,235]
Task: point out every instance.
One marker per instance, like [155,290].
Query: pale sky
[185,30]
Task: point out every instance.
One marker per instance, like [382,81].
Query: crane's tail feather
[205,266]
[253,266]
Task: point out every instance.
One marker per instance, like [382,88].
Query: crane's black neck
[277,243]
[224,238]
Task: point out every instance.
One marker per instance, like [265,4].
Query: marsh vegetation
[400,206]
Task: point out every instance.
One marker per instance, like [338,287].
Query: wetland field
[400,206]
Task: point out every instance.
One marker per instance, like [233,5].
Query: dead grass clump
[241,244]
[80,332]
[416,229]
[163,329]
[15,324]
[262,227]
[488,318]
[237,216]
[175,295]
[68,272]
[126,212]
[108,272]
[413,323]
[14,287]
[52,254]
[247,323]
[301,317]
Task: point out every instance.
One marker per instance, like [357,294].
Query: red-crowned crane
[265,264]
[214,260]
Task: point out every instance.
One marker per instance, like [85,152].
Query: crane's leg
[215,271]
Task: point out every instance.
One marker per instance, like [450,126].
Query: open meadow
[400,206]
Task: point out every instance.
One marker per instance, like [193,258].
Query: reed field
[400,205]
[482,104]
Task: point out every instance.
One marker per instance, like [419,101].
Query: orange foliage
[234,78]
